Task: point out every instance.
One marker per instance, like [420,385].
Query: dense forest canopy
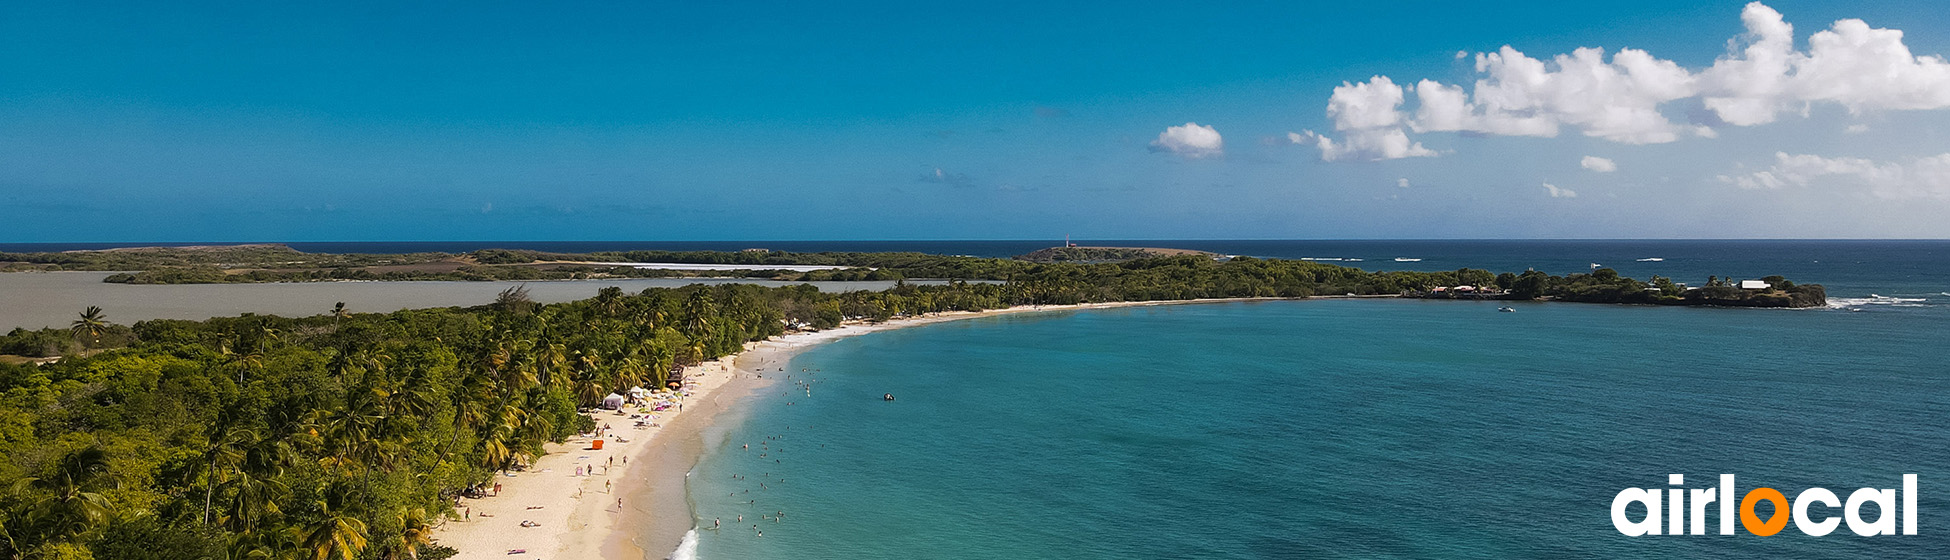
[346,435]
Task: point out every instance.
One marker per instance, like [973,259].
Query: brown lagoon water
[52,299]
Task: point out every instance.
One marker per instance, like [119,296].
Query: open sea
[1357,428]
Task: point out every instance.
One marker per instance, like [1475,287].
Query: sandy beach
[630,501]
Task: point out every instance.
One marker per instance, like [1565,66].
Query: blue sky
[706,121]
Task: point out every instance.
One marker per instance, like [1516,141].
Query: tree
[610,300]
[71,505]
[92,323]
[225,451]
[514,300]
[339,313]
[336,533]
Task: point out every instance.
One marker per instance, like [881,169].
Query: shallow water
[1329,429]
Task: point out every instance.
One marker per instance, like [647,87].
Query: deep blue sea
[1357,428]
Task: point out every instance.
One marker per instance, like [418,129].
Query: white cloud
[1856,128]
[1191,140]
[1927,177]
[1620,99]
[1402,182]
[1370,123]
[1598,164]
[1559,192]
[1616,100]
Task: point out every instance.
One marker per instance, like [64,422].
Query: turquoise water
[1329,429]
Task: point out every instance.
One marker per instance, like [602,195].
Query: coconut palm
[226,451]
[339,313]
[610,301]
[514,300]
[416,531]
[242,362]
[11,549]
[71,505]
[92,323]
[250,499]
[336,533]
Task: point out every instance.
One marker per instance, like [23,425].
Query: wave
[1322,259]
[1877,299]
[1406,259]
[1651,259]
[687,548]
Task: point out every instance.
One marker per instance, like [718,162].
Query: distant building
[1754,285]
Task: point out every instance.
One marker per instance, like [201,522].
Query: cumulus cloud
[1620,98]
[1402,182]
[1191,140]
[1927,177]
[1559,192]
[1369,118]
[1598,164]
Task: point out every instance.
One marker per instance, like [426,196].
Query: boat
[1506,309]
[1406,259]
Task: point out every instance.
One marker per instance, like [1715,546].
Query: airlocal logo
[1678,512]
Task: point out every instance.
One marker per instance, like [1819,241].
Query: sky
[270,121]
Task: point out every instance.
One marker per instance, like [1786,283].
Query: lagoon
[35,300]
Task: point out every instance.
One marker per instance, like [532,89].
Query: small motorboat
[1506,309]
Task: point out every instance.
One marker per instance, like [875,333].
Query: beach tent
[613,401]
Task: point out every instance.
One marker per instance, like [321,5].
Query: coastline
[579,516]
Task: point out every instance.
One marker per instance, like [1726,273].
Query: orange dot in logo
[1753,523]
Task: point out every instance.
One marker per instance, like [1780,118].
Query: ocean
[1356,428]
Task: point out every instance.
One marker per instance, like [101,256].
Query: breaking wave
[1876,299]
[687,548]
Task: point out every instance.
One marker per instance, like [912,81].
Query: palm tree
[226,449]
[71,505]
[12,550]
[251,500]
[93,323]
[336,533]
[339,313]
[610,300]
[240,361]
[415,531]
[514,300]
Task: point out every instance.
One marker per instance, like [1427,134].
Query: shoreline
[579,517]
